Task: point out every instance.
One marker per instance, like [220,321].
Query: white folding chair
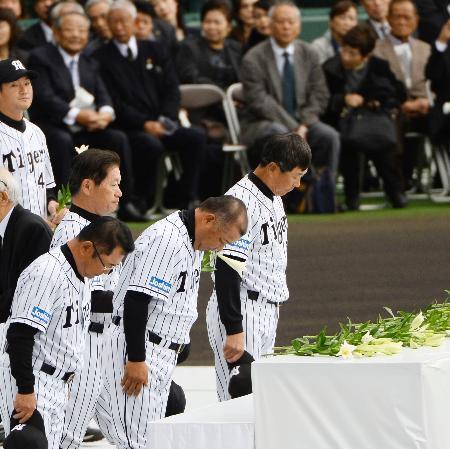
[194,96]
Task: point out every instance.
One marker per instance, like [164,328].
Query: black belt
[98,328]
[50,370]
[154,338]
[253,296]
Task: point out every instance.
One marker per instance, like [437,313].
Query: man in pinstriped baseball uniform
[94,183]
[23,149]
[48,324]
[243,313]
[155,306]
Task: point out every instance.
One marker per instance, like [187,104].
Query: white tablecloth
[392,402]
[226,425]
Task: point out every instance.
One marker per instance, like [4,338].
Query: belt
[50,370]
[154,338]
[98,328]
[254,296]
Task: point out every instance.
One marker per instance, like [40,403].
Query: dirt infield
[343,268]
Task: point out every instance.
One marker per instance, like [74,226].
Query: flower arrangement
[386,336]
[64,197]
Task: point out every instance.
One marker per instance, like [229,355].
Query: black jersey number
[182,287]
[41,180]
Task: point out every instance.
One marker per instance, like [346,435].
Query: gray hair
[284,3]
[57,11]
[9,185]
[90,3]
[124,4]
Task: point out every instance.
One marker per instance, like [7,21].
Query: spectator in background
[41,32]
[261,29]
[9,33]
[407,58]
[170,12]
[144,87]
[243,15]
[438,72]
[97,11]
[14,5]
[60,8]
[343,17]
[285,90]
[211,58]
[149,27]
[377,10]
[356,80]
[73,107]
[433,16]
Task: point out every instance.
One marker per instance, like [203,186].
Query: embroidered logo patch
[41,315]
[160,284]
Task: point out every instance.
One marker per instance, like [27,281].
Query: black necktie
[288,84]
[129,54]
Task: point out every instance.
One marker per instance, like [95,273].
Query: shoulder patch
[160,284]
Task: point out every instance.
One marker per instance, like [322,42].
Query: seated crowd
[110,71]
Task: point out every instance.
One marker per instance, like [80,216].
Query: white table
[226,425]
[392,402]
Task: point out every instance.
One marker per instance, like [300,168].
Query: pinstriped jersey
[25,155]
[264,246]
[51,298]
[165,266]
[70,226]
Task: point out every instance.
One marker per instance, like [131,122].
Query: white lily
[81,149]
[417,321]
[367,338]
[237,265]
[346,350]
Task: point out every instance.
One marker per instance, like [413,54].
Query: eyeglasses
[105,267]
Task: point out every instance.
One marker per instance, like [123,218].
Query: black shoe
[129,212]
[92,435]
[399,200]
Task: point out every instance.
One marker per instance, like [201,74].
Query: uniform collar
[69,257]
[19,125]
[187,216]
[261,186]
[89,216]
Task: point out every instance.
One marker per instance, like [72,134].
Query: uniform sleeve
[36,296]
[153,270]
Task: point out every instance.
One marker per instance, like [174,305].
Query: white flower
[417,322]
[237,265]
[367,338]
[81,149]
[346,350]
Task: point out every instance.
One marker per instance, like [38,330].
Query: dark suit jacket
[143,89]
[27,237]
[433,15]
[380,84]
[438,72]
[194,66]
[32,37]
[164,33]
[53,88]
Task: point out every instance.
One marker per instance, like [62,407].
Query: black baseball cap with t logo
[30,435]
[13,69]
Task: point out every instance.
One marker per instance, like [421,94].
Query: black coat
[380,84]
[32,37]
[26,238]
[438,72]
[433,15]
[53,88]
[194,66]
[143,89]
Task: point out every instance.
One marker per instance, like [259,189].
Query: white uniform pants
[259,322]
[124,419]
[51,395]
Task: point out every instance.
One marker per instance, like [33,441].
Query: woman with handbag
[365,96]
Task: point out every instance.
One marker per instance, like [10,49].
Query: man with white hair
[97,11]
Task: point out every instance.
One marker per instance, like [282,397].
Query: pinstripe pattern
[88,383]
[264,248]
[26,156]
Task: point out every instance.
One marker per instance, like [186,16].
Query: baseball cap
[241,376]
[13,69]
[30,435]
[176,402]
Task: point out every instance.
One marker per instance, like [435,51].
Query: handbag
[368,130]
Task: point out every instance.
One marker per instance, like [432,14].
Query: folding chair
[195,96]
